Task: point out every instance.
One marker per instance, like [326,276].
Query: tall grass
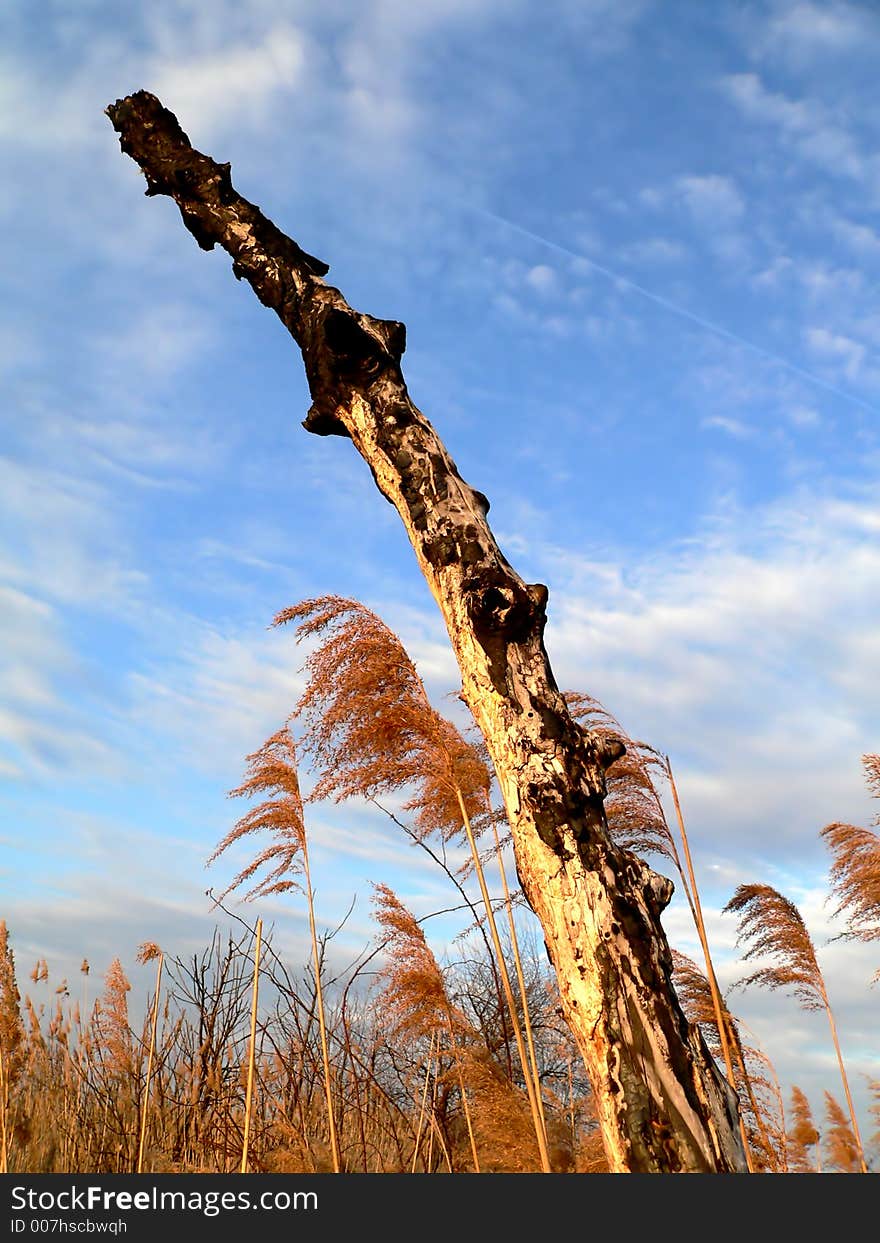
[371,729]
[771,927]
[79,1101]
[272,771]
[408,1065]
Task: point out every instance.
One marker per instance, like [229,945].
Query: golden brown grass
[874,1089]
[252,1048]
[272,771]
[371,729]
[414,994]
[756,1098]
[803,1136]
[12,1040]
[149,952]
[416,1070]
[855,869]
[772,928]
[69,1109]
[637,821]
[843,1149]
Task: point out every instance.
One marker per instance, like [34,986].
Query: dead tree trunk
[663,1105]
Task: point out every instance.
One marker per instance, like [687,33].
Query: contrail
[659,300]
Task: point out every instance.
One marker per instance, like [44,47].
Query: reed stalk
[322,1023]
[537,1117]
[249,1094]
[146,1104]
[697,912]
[4,1110]
[520,975]
[421,1121]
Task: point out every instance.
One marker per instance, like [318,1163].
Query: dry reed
[771,927]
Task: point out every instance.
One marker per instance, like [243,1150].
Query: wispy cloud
[69,548]
[239,81]
[804,31]
[217,696]
[625,283]
[804,124]
[654,250]
[712,200]
[733,427]
[860,238]
[845,356]
[734,637]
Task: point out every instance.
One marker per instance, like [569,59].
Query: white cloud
[654,250]
[733,427]
[542,279]
[775,274]
[750,95]
[156,343]
[842,353]
[804,416]
[748,654]
[823,282]
[43,747]
[238,82]
[805,30]
[804,124]
[39,113]
[544,299]
[67,543]
[218,696]
[859,237]
[652,197]
[712,200]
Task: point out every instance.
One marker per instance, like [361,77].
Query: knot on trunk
[504,608]
[362,347]
[346,352]
[658,892]
[610,749]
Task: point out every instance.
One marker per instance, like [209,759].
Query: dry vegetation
[403,1061]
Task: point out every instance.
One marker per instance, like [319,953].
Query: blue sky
[634,246]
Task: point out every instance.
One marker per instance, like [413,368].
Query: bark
[662,1103]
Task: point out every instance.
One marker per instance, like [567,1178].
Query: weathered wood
[662,1103]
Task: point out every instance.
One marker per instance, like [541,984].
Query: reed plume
[414,995]
[637,821]
[768,1138]
[803,1135]
[855,869]
[633,810]
[13,1041]
[874,1089]
[149,952]
[771,926]
[843,1150]
[110,1021]
[702,1005]
[13,1038]
[371,729]
[272,770]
